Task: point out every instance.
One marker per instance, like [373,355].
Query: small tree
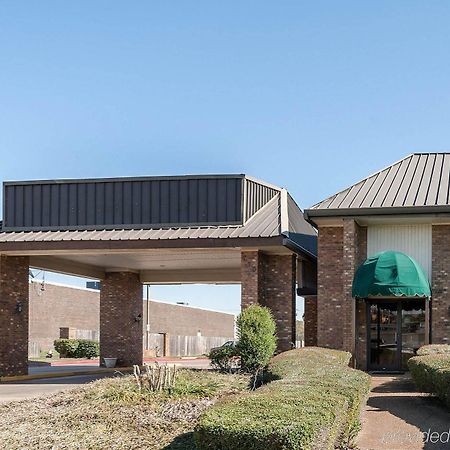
[256,338]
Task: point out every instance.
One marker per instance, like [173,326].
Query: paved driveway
[397,417]
[21,390]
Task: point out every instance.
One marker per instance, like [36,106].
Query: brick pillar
[354,253]
[329,287]
[279,296]
[13,315]
[340,251]
[252,274]
[440,313]
[361,335]
[310,320]
[270,281]
[121,315]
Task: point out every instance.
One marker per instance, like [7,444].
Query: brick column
[361,335]
[340,251]
[13,315]
[330,287]
[269,280]
[310,320]
[252,274]
[279,296]
[354,253]
[440,285]
[121,315]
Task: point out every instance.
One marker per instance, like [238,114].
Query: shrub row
[433,349]
[77,348]
[313,400]
[431,373]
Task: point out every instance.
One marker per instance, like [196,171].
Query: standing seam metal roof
[419,180]
[266,222]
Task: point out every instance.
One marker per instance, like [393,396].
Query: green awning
[389,274]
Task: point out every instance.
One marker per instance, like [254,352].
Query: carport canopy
[390,274]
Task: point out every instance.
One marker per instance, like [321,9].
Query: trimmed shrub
[433,349]
[431,373]
[87,349]
[256,338]
[77,348]
[223,358]
[66,347]
[314,402]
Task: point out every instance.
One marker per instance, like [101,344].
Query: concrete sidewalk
[397,417]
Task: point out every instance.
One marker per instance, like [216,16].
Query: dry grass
[112,414]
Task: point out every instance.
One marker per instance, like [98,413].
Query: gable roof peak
[418,180]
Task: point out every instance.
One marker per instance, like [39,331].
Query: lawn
[112,413]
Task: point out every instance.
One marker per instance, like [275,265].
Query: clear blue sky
[308,95]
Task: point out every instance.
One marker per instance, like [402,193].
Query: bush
[256,338]
[77,348]
[314,401]
[223,358]
[431,373]
[433,349]
[66,347]
[87,349]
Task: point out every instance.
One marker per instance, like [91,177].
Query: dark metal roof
[122,202]
[268,211]
[416,184]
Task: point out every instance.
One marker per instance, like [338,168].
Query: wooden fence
[193,345]
[33,350]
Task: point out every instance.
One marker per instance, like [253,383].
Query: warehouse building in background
[168,329]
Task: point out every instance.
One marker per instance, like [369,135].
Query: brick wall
[13,323]
[310,319]
[440,315]
[187,321]
[252,277]
[340,252]
[56,306]
[361,335]
[354,253]
[330,288]
[120,305]
[270,281]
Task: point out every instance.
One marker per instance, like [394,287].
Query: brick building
[151,230]
[54,306]
[402,213]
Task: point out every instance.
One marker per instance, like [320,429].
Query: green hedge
[431,373]
[77,348]
[313,401]
[433,349]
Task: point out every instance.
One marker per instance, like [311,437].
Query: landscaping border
[312,400]
[430,371]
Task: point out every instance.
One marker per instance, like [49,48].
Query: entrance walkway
[397,417]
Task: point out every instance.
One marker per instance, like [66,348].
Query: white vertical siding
[414,240]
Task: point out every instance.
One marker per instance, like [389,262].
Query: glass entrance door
[384,334]
[396,331]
